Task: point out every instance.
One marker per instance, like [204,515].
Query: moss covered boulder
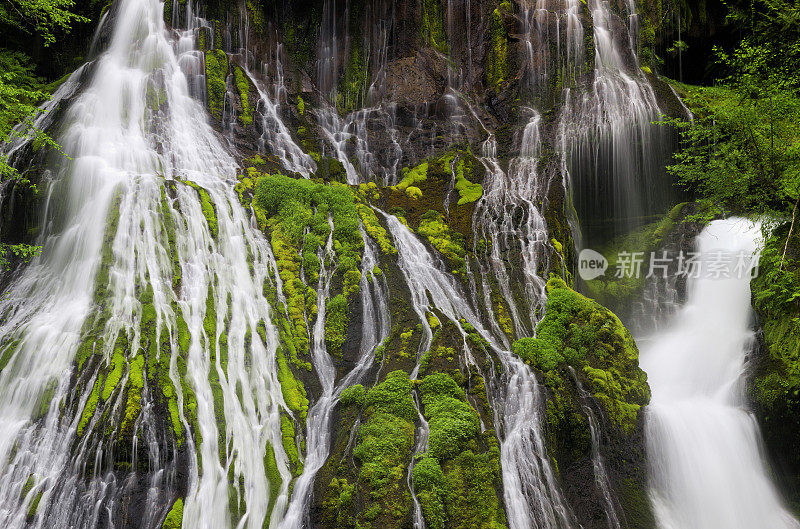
[589,363]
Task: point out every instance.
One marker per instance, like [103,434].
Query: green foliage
[336,320]
[743,150]
[45,18]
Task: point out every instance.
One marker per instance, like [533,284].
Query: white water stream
[706,460]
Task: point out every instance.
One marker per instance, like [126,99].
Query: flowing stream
[706,459]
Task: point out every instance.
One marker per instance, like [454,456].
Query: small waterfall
[375,327]
[598,463]
[508,216]
[706,460]
[615,151]
[275,136]
[531,489]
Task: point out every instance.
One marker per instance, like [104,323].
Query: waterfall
[375,327]
[706,460]
[530,486]
[615,150]
[177,257]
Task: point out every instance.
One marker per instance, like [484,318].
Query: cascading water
[615,151]
[706,459]
[375,327]
[182,254]
[531,489]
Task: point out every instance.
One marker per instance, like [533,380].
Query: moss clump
[297,213]
[336,324]
[450,244]
[243,87]
[468,192]
[452,421]
[385,440]
[114,375]
[497,67]
[412,176]
[91,405]
[216,73]
[457,480]
[374,229]
[174,519]
[354,396]
[579,332]
[134,396]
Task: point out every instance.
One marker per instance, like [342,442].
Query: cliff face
[402,181]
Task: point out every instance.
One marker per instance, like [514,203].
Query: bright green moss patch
[336,324]
[452,421]
[375,230]
[497,67]
[114,375]
[580,332]
[468,192]
[243,87]
[385,441]
[450,244]
[354,396]
[174,519]
[216,72]
[299,215]
[134,397]
[412,176]
[91,405]
[456,482]
[290,445]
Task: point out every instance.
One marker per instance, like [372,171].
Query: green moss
[336,319]
[91,405]
[114,375]
[174,518]
[290,445]
[497,67]
[133,404]
[301,106]
[456,482]
[468,192]
[297,213]
[432,27]
[452,421]
[354,396]
[450,244]
[580,332]
[412,176]
[243,87]
[431,490]
[374,229]
[216,72]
